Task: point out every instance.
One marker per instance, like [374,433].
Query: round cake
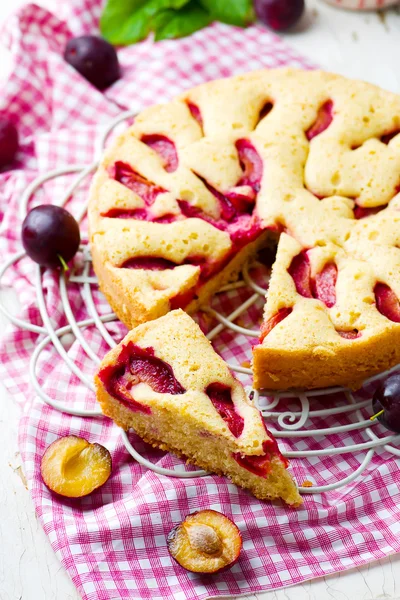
[304,159]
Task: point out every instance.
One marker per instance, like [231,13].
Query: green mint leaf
[183,22]
[114,14]
[234,12]
[161,19]
[122,27]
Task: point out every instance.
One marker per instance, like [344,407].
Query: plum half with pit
[50,236]
[94,58]
[72,467]
[205,542]
[386,403]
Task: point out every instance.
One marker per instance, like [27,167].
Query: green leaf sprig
[125,22]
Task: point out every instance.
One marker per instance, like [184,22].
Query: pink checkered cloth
[113,543]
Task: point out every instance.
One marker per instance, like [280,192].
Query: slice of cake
[165,381]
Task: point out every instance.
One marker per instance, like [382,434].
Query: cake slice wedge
[165,381]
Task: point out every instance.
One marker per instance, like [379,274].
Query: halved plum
[353,334]
[205,542]
[360,212]
[265,110]
[152,370]
[387,137]
[261,465]
[228,210]
[140,214]
[324,285]
[268,326]
[147,190]
[221,398]
[387,302]
[151,263]
[138,365]
[300,271]
[118,381]
[165,148]
[72,467]
[251,164]
[195,112]
[323,120]
[182,299]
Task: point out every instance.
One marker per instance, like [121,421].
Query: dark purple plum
[279,15]
[8,142]
[94,58]
[387,399]
[50,235]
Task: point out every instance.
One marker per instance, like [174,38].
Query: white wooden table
[366,46]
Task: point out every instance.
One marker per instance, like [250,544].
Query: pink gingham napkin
[113,543]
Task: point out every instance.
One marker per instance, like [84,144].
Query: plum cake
[304,159]
[165,381]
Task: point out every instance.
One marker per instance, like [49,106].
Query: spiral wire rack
[293,424]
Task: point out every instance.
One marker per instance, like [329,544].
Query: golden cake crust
[316,184]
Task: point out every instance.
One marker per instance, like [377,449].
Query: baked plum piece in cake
[165,381]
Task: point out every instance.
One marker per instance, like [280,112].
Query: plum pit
[205,542]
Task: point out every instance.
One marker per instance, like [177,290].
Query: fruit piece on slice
[138,365]
[300,270]
[251,163]
[242,198]
[325,285]
[228,210]
[220,396]
[152,370]
[195,112]
[119,381]
[151,263]
[360,212]
[262,465]
[50,235]
[72,467]
[265,110]
[268,326]
[205,542]
[387,137]
[182,299]
[353,334]
[9,142]
[94,58]
[147,190]
[165,148]
[387,399]
[387,302]
[323,120]
[140,214]
[322,288]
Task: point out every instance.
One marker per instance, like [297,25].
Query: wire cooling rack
[292,415]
